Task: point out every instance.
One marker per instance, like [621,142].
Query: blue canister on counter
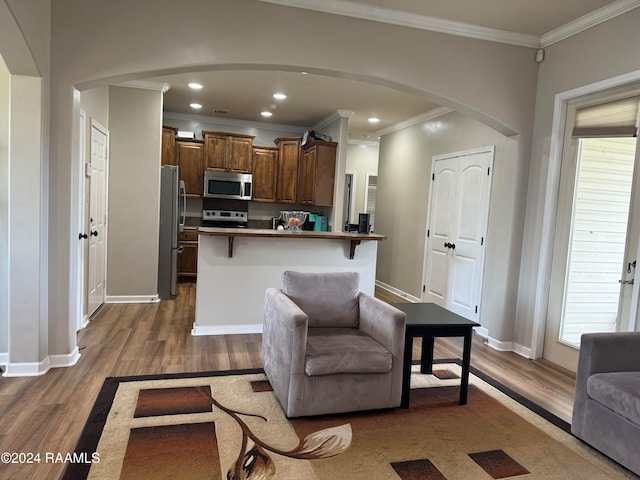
[321,224]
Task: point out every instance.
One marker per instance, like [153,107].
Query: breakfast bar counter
[237,265]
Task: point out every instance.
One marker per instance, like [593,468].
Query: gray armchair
[606,408]
[329,348]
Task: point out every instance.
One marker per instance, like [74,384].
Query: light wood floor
[47,413]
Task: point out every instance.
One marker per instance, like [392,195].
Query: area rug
[230,425]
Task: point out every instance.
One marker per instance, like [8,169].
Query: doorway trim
[549,204]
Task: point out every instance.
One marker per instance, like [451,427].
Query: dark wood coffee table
[428,320]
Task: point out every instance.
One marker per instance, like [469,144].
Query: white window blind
[611,119]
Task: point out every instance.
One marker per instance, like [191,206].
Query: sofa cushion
[618,391]
[329,299]
[344,350]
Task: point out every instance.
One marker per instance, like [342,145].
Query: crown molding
[368,143]
[294,129]
[145,85]
[396,17]
[409,122]
[332,117]
[589,20]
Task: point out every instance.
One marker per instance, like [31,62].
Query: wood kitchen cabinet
[188,259]
[287,176]
[316,174]
[228,152]
[265,174]
[168,145]
[190,159]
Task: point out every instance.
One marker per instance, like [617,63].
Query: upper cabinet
[228,152]
[265,174]
[316,174]
[190,160]
[287,174]
[168,145]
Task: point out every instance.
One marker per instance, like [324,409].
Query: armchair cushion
[617,391]
[329,299]
[344,350]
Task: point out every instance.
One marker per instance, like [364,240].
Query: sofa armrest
[600,353]
[382,322]
[284,341]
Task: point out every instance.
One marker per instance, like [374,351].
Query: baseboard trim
[35,369]
[132,299]
[226,329]
[398,292]
[522,351]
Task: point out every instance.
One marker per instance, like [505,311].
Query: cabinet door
[324,174]
[188,260]
[306,176]
[168,146]
[190,156]
[288,170]
[239,150]
[216,151]
[264,168]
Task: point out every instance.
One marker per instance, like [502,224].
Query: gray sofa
[329,348]
[606,409]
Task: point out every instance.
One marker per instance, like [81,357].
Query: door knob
[452,246]
[626,282]
[94,233]
[83,236]
[447,245]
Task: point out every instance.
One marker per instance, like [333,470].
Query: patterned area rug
[230,425]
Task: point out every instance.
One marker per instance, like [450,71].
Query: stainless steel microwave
[236,186]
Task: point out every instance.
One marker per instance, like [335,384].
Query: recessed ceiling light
[195,86]
[374,120]
[304,73]
[266,113]
[197,106]
[279,96]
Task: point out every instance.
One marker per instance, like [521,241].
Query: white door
[98,217]
[458,213]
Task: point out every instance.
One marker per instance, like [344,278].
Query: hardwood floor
[47,413]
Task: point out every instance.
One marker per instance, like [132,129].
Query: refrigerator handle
[183,194]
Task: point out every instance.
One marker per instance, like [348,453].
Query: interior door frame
[482,257]
[548,203]
[83,249]
[105,131]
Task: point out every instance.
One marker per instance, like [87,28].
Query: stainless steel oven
[236,186]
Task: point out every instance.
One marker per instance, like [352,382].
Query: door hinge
[424,288]
[488,170]
[433,176]
[476,308]
[481,241]
[428,232]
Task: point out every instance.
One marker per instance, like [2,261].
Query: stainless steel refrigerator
[172,216]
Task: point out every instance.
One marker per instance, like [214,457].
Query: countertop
[270,233]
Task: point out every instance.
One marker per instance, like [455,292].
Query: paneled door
[456,230]
[98,217]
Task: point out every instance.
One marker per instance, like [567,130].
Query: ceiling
[242,95]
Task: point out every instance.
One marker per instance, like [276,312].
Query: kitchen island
[236,266]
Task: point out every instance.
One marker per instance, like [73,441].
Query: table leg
[406,370]
[426,358]
[466,362]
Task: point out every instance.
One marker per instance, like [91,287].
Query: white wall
[404,174]
[362,158]
[135,128]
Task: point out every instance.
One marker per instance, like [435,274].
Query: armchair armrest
[284,341]
[600,353]
[384,323]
